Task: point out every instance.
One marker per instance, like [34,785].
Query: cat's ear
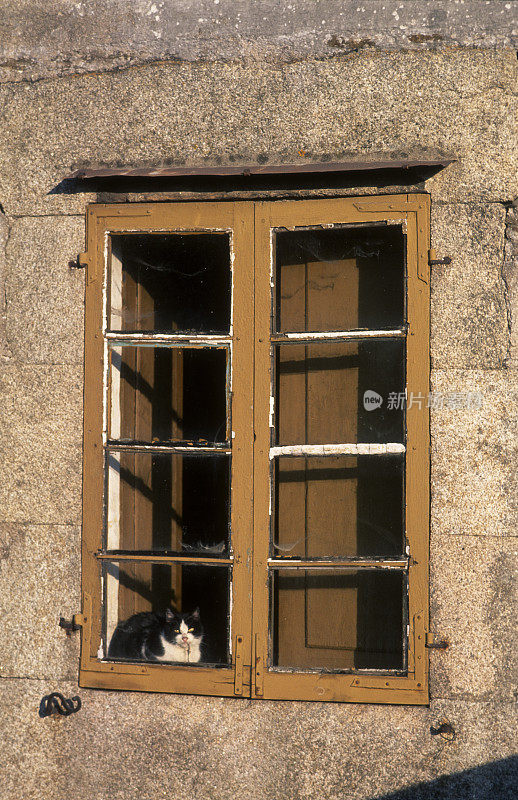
[169,615]
[196,613]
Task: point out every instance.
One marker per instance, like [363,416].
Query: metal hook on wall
[445,729]
[56,703]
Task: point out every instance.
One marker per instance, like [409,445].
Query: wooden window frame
[250,224]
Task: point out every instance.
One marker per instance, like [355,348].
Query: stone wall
[115,81]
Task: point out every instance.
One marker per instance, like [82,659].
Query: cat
[159,636]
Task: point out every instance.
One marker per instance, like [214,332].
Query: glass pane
[340,278]
[338,506]
[168,503]
[324,391]
[170,282]
[337,620]
[133,588]
[168,394]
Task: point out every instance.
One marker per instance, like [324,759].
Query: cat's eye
[190,630]
[177,630]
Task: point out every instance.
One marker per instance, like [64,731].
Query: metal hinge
[258,667]
[432,644]
[73,624]
[436,262]
[444,729]
[239,667]
[80,263]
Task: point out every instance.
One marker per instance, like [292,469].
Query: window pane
[168,394]
[135,587]
[170,282]
[321,392]
[171,503]
[339,279]
[337,620]
[338,506]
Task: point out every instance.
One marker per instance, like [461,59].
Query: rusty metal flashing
[253,169]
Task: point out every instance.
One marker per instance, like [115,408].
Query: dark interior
[183,391]
[185,280]
[313,382]
[358,615]
[343,506]
[379,255]
[151,587]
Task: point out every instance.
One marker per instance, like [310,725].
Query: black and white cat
[155,636]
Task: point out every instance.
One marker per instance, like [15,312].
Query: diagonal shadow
[497,780]
[142,588]
[140,486]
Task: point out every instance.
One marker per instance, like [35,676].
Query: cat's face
[185,630]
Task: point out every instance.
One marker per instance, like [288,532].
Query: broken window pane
[168,394]
[339,279]
[337,619]
[342,506]
[134,587]
[170,282]
[168,503]
[340,392]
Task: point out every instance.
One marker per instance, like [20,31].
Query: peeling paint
[390,448]
[339,335]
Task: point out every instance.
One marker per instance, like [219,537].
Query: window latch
[444,729]
[432,644]
[70,625]
[437,262]
[80,263]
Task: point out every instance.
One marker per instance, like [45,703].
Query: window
[250,448]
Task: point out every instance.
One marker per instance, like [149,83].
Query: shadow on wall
[495,781]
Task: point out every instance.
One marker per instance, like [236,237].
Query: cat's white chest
[173,652]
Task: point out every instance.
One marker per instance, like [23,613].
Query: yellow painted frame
[102,220]
[413,211]
[251,224]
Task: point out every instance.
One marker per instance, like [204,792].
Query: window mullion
[337,336]
[342,563]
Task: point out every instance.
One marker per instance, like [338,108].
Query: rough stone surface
[122,745]
[45,560]
[469,296]
[4,237]
[64,37]
[202,82]
[401,104]
[40,444]
[474,452]
[474,596]
[43,296]
[510,279]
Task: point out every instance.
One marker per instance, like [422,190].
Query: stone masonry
[136,82]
